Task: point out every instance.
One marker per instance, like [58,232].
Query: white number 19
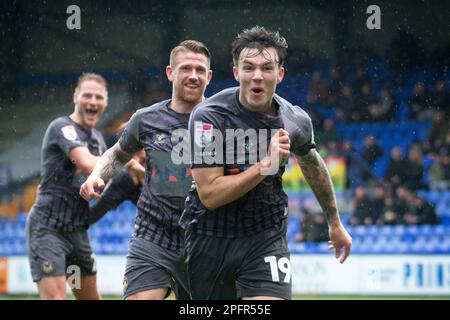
[284,265]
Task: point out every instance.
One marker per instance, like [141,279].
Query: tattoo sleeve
[111,162]
[316,174]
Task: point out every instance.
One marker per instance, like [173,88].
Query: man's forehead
[268,54]
[91,85]
[189,57]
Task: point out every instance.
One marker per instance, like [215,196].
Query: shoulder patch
[69,132]
[203,133]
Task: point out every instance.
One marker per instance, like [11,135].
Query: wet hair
[259,38]
[189,45]
[88,76]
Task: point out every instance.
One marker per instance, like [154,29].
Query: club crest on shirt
[69,132]
[47,266]
[203,133]
[160,138]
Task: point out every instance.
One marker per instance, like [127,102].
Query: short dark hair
[259,38]
[190,45]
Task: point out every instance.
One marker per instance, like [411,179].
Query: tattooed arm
[318,178]
[106,167]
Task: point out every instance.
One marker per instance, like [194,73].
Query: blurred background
[379,100]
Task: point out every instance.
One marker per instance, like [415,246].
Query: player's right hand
[89,189]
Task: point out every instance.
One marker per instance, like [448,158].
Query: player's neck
[270,109]
[77,119]
[181,106]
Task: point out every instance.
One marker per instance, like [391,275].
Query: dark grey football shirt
[166,183]
[266,204]
[58,203]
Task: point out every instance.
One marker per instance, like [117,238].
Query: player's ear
[74,98]
[169,73]
[281,73]
[210,74]
[236,73]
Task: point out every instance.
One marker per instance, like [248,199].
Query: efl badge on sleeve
[69,132]
[203,133]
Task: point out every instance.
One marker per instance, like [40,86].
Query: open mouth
[257,91]
[91,112]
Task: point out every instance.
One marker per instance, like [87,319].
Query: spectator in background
[388,105]
[441,99]
[314,228]
[440,170]
[414,169]
[362,78]
[328,136]
[405,205]
[345,103]
[420,102]
[377,206]
[319,228]
[395,171]
[318,90]
[376,113]
[424,211]
[371,153]
[357,167]
[336,85]
[362,206]
[439,130]
[384,109]
[364,100]
[389,216]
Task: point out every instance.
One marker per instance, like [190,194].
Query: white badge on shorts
[203,133]
[69,132]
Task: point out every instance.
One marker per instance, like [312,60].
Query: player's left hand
[339,239]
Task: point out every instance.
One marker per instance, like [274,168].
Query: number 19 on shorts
[283,265]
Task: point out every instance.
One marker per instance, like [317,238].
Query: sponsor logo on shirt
[160,138]
[69,132]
